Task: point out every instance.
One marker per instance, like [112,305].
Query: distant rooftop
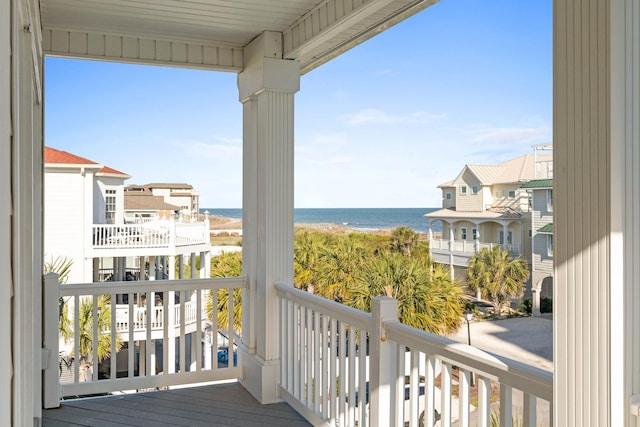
[519,169]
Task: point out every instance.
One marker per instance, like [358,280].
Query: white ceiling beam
[130,49]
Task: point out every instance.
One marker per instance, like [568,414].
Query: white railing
[157,317]
[469,247]
[343,367]
[143,361]
[151,234]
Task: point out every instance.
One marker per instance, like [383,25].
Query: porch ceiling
[313,31]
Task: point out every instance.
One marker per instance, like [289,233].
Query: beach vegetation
[353,268]
[227,264]
[403,239]
[497,276]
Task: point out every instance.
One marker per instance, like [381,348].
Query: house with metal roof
[482,207]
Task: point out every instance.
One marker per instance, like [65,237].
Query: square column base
[260,377]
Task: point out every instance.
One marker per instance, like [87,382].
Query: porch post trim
[266,87]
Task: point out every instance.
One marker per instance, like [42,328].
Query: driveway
[526,339]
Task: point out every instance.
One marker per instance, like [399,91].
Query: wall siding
[64,219]
[582,180]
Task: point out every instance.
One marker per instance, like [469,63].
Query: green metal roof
[546,229]
[538,183]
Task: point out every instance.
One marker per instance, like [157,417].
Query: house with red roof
[86,220]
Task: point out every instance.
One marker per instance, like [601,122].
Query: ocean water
[357,218]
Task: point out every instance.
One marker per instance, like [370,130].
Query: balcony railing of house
[152,234]
[144,361]
[344,367]
[470,247]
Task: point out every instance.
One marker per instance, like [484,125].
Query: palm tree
[307,250]
[427,297]
[85,332]
[62,267]
[497,276]
[228,264]
[341,266]
[404,238]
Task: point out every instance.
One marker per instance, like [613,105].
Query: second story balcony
[155,237]
[443,250]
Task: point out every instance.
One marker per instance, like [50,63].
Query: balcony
[460,251]
[156,237]
[338,366]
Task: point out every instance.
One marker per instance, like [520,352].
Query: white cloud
[375,116]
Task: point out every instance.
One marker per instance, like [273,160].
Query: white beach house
[87,221]
[270,44]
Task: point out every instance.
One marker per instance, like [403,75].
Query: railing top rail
[521,376]
[102,288]
[338,311]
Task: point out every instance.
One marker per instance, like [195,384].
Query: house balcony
[458,252]
[337,365]
[150,238]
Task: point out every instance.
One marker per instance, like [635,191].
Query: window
[474,233]
[550,200]
[474,189]
[550,244]
[447,195]
[110,206]
[463,189]
[530,233]
[509,237]
[512,194]
[463,233]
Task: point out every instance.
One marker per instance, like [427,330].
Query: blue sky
[463,82]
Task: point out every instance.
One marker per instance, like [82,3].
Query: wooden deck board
[212,405]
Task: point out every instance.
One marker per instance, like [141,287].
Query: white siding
[101,184]
[468,202]
[65,226]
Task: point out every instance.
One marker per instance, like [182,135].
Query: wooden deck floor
[211,405]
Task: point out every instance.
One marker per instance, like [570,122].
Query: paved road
[526,339]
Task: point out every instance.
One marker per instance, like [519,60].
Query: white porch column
[505,232]
[267,87]
[451,244]
[597,210]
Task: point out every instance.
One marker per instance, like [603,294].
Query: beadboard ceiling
[313,31]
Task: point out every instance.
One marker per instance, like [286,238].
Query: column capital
[265,70]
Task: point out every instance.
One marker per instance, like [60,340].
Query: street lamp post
[468,316]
